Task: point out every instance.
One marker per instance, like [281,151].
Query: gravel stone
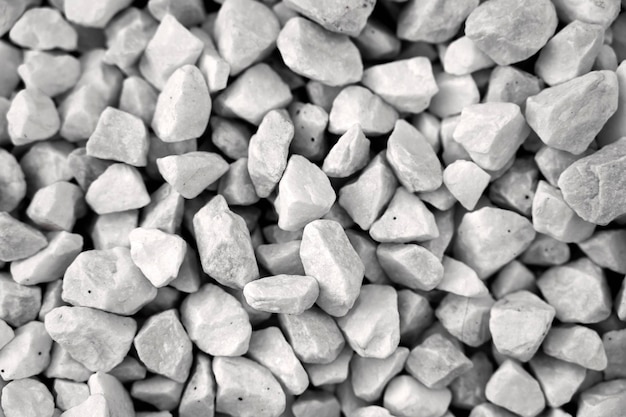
[187,12]
[512,85]
[602,13]
[32,117]
[349,155]
[63,366]
[286,294]
[97,15]
[406,397]
[69,394]
[116,396]
[416,315]
[527,400]
[433,21]
[27,397]
[18,240]
[358,105]
[119,188]
[281,258]
[515,276]
[455,93]
[559,380]
[466,318]
[515,189]
[466,181]
[199,395]
[162,393]
[43,28]
[138,98]
[460,279]
[19,304]
[410,265]
[21,358]
[462,57]
[51,73]
[370,375]
[546,251]
[607,248]
[191,173]
[605,399]
[346,17]
[468,389]
[331,373]
[236,185]
[157,254]
[576,344]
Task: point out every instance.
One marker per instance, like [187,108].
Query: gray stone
[199,394]
[559,380]
[63,366]
[281,258]
[370,375]
[602,13]
[236,185]
[347,16]
[607,248]
[111,230]
[116,396]
[69,393]
[43,28]
[576,344]
[51,73]
[119,188]
[512,85]
[546,251]
[515,189]
[32,117]
[157,254]
[460,279]
[230,136]
[18,240]
[97,15]
[12,182]
[468,390]
[84,168]
[138,98]
[313,403]
[349,155]
[57,206]
[462,56]
[161,392]
[466,318]
[127,36]
[129,370]
[46,163]
[286,294]
[27,397]
[416,315]
[19,304]
[606,399]
[410,265]
[433,21]
[27,354]
[513,277]
[191,173]
[187,12]
[466,181]
[406,397]
[526,399]
[358,105]
[310,122]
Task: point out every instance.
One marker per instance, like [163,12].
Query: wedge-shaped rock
[466,181]
[183,107]
[19,304]
[501,80]
[69,393]
[468,390]
[406,219]
[107,280]
[590,187]
[605,399]
[607,248]
[32,117]
[50,263]
[255,92]
[519,322]
[84,168]
[569,116]
[119,136]
[489,238]
[96,339]
[413,159]
[160,392]
[328,256]
[247,389]
[157,254]
[313,335]
[245,32]
[191,173]
[416,315]
[269,348]
[171,47]
[310,122]
[515,276]
[27,397]
[313,52]
[346,17]
[405,396]
[462,57]
[349,155]
[370,375]
[410,265]
[138,98]
[433,20]
[455,93]
[511,31]
[365,198]
[576,344]
[491,133]
[527,400]
[578,291]
[408,84]
[466,318]
[117,398]
[27,354]
[515,189]
[97,15]
[358,105]
[56,206]
[163,346]
[570,53]
[119,188]
[372,326]
[43,28]
[281,258]
[51,73]
[304,194]
[236,185]
[199,394]
[287,294]
[216,322]
[559,380]
[460,279]
[12,182]
[127,37]
[546,251]
[268,151]
[599,13]
[18,240]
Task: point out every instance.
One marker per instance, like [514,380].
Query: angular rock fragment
[183,107]
[570,53]
[114,393]
[615,127]
[230,136]
[312,51]
[365,198]
[216,322]
[466,181]
[84,168]
[510,84]
[246,389]
[546,251]
[446,227]
[468,390]
[97,15]
[491,133]
[358,105]
[603,13]
[460,279]
[515,189]
[45,163]
[268,151]
[157,254]
[95,405]
[63,366]
[570,115]
[128,35]
[51,73]
[119,188]
[466,318]
[19,304]
[111,230]
[349,155]
[604,399]
[281,258]
[372,326]
[576,344]
[416,315]
[578,292]
[591,186]
[370,375]
[69,393]
[213,67]
[528,399]
[269,348]
[27,354]
[328,257]
[489,238]
[462,56]
[12,182]
[410,265]
[304,194]
[433,20]
[607,248]
[32,117]
[107,280]
[405,396]
[314,336]
[27,397]
[96,339]
[199,395]
[310,122]
[57,206]
[255,92]
[519,322]
[559,380]
[160,392]
[224,244]
[511,31]
[286,294]
[406,219]
[316,403]
[236,186]
[346,17]
[130,369]
[138,98]
[43,28]
[18,240]
[245,32]
[191,173]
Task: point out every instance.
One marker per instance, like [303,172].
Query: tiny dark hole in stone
[240,399]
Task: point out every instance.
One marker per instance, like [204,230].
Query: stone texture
[466,318]
[460,279]
[527,400]
[519,322]
[96,405]
[127,36]
[462,56]
[312,51]
[160,392]
[27,354]
[578,291]
[512,85]
[12,182]
[310,122]
[372,326]
[138,98]
[27,397]
[224,244]
[63,366]
[468,390]
[191,173]
[410,265]
[119,188]
[511,31]
[84,168]
[116,396]
[313,335]
[199,394]
[466,181]
[576,344]
[214,68]
[69,393]
[98,340]
[247,389]
[358,105]
[591,186]
[43,28]
[433,20]
[601,13]
[107,280]
[570,115]
[559,380]
[607,248]
[405,397]
[18,240]
[346,17]
[19,304]
[515,189]
[286,294]
[281,258]
[51,73]
[216,322]
[455,93]
[349,155]
[96,16]
[370,375]
[32,117]
[606,399]
[157,254]
[546,251]
[236,185]
[56,206]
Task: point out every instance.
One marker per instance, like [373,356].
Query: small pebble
[313,403]
[576,344]
[516,390]
[466,318]
[614,342]
[119,188]
[462,56]
[32,117]
[410,265]
[214,68]
[460,279]
[236,185]
[433,20]
[117,398]
[407,397]
[199,394]
[347,16]
[27,354]
[607,248]
[546,251]
[366,249]
[559,380]
[230,136]
[18,240]
[62,365]
[187,12]
[349,155]
[515,189]
[57,206]
[111,230]
[127,36]
[138,98]
[358,105]
[157,254]
[69,394]
[158,391]
[310,122]
[333,372]
[97,15]
[19,304]
[95,405]
[44,28]
[466,181]
[27,397]
[51,73]
[280,258]
[416,315]
[191,173]
[12,182]
[286,294]
[510,84]
[371,375]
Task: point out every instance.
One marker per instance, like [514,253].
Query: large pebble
[358,105]
[311,51]
[119,188]
[247,389]
[27,397]
[216,322]
[287,294]
[570,115]
[519,322]
[224,244]
[489,238]
[372,326]
[328,256]
[96,339]
[526,399]
[32,117]
[576,344]
[511,31]
[27,354]
[107,280]
[592,187]
[407,397]
[433,20]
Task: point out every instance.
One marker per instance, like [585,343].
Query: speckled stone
[27,354]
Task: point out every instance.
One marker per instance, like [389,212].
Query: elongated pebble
[287,294]
[577,344]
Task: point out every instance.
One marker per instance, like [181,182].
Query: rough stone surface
[605,399]
[27,397]
[56,206]
[607,248]
[405,396]
[358,105]
[349,155]
[27,354]
[18,240]
[118,188]
[528,399]
[32,117]
[466,181]
[346,17]
[460,279]
[19,304]
[410,265]
[157,254]
[466,318]
[576,344]
[287,294]
[433,20]
[559,380]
